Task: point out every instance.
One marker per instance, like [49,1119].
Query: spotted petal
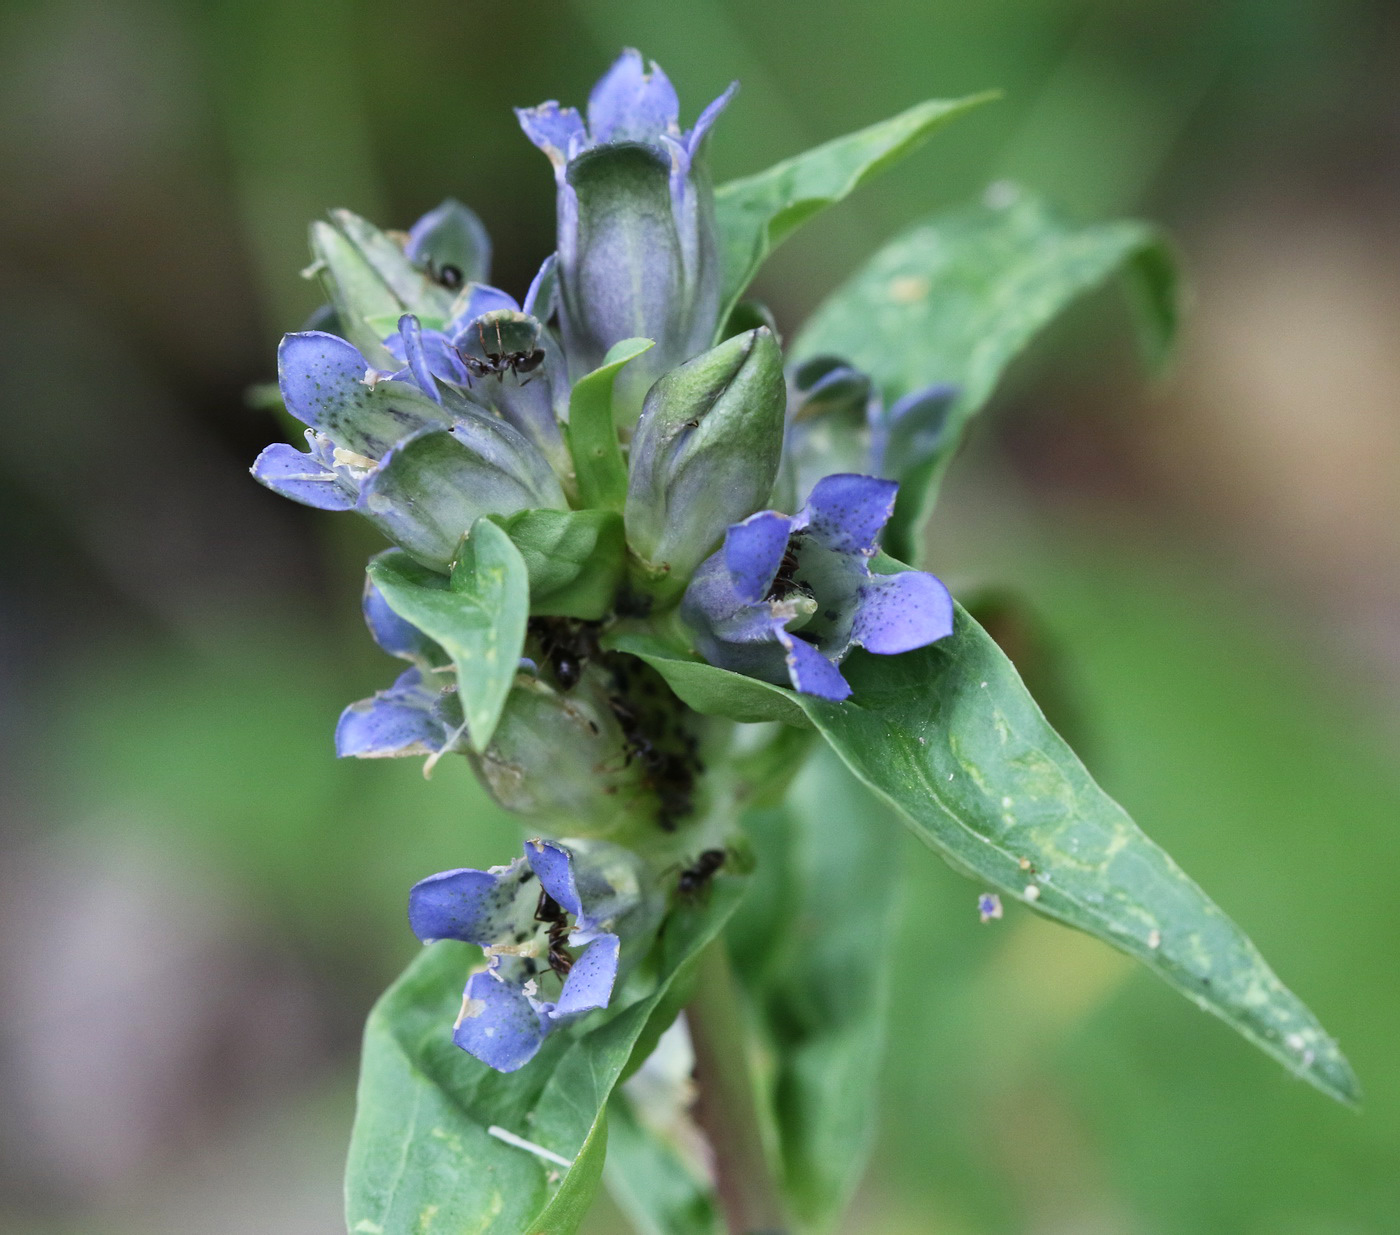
[486,908]
[898,613]
[302,477]
[498,1024]
[847,512]
[590,981]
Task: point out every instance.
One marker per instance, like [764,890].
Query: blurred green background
[198,904]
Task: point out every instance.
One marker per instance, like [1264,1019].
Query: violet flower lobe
[787,597]
[637,242]
[558,909]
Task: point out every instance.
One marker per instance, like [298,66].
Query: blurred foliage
[176,649]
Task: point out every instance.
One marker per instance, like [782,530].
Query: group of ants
[566,645]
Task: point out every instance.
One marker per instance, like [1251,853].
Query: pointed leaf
[759,212]
[955,299]
[950,737]
[478,617]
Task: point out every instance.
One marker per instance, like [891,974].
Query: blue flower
[837,421]
[787,597]
[552,917]
[497,355]
[421,468]
[637,242]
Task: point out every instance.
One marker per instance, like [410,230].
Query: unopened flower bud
[705,453]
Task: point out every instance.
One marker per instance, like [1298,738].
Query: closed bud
[706,452]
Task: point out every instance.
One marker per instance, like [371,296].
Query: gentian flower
[787,596]
[422,469]
[837,421]
[637,242]
[559,909]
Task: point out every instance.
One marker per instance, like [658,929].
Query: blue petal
[558,131]
[554,865]
[322,379]
[481,907]
[396,722]
[302,477]
[544,288]
[811,672]
[897,613]
[631,104]
[394,634]
[590,981]
[846,512]
[707,118]
[314,371]
[753,552]
[411,333]
[579,879]
[498,1024]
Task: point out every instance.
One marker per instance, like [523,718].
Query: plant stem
[726,1107]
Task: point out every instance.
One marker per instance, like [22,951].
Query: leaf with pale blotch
[950,737]
[956,297]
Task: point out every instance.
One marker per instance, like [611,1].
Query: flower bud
[638,246]
[705,453]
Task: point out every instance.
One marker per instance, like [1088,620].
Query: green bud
[705,453]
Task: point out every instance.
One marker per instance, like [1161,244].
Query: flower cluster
[433,400]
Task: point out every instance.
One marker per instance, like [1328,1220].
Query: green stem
[727,1107]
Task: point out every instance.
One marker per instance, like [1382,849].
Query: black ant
[447,276]
[785,581]
[567,645]
[696,876]
[500,362]
[549,910]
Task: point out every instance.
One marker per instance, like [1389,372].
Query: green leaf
[759,212]
[650,1182]
[813,946]
[575,559]
[710,690]
[569,1206]
[478,616]
[955,299]
[422,1161]
[950,737]
[592,434]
